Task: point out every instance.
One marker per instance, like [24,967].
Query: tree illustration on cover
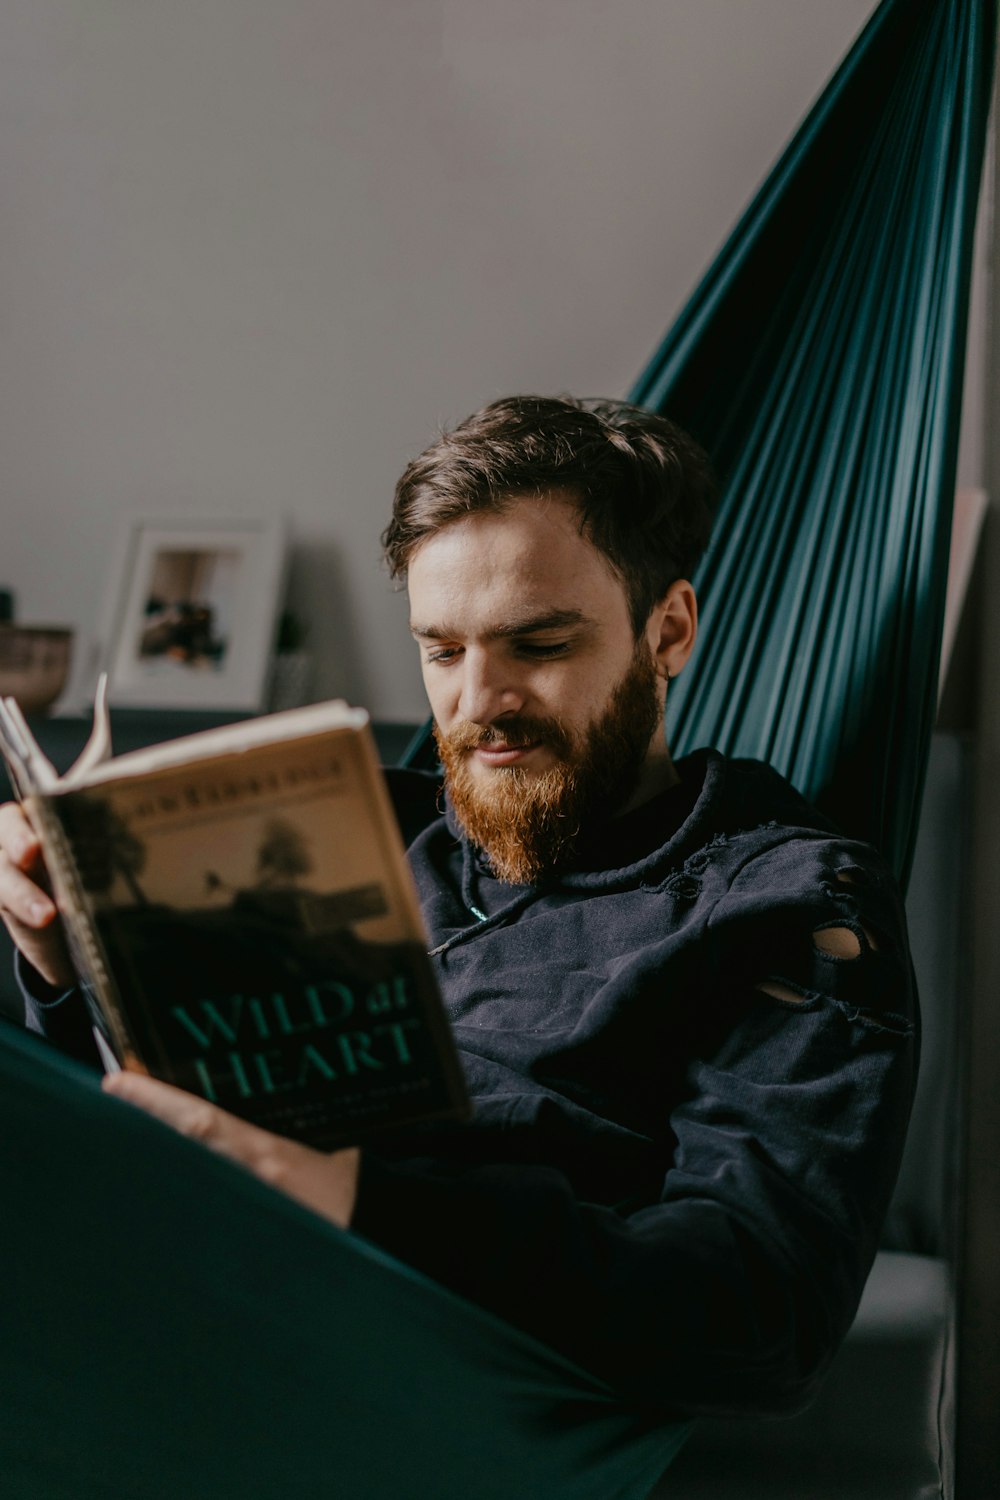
[283,854]
[105,848]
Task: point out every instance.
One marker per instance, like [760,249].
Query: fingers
[326,1183]
[27,909]
[18,839]
[22,898]
[193,1117]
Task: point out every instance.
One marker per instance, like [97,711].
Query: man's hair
[644,488]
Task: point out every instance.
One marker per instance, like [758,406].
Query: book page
[97,751]
[230,739]
[30,771]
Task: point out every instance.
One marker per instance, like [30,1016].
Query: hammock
[820,361]
[171,1327]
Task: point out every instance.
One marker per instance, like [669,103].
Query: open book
[243,922]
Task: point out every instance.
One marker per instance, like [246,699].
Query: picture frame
[191,612]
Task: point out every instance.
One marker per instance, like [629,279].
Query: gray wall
[253,252]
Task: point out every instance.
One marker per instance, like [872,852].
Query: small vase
[291,680]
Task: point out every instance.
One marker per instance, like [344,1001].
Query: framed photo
[191,613]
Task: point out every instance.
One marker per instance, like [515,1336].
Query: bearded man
[683,1002]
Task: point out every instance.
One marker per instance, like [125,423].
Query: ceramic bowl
[34,662]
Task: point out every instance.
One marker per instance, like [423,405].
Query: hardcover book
[243,922]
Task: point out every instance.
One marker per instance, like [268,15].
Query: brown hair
[644,488]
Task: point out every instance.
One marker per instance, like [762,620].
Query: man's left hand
[325,1182]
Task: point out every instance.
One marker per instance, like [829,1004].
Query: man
[683,1003]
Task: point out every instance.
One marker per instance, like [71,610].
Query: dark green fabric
[820,361]
[173,1328]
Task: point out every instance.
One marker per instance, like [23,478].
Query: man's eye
[444,655]
[537,649]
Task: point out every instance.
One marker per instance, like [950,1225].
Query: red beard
[529,825]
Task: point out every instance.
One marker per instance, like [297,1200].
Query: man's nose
[489,689]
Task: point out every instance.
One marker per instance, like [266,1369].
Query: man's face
[545,704]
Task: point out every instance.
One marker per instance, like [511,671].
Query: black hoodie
[672,1176]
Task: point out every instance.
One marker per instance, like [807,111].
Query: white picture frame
[191,613]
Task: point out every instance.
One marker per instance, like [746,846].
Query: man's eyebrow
[551,619]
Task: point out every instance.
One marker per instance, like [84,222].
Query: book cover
[244,924]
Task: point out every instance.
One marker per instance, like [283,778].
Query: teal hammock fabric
[820,361]
[170,1326]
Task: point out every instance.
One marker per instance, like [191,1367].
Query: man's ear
[672,628]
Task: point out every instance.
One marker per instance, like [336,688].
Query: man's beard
[529,825]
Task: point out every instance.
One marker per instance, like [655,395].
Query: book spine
[85,947]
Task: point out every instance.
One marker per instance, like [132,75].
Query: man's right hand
[27,909]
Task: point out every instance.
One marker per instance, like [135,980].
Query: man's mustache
[513,734]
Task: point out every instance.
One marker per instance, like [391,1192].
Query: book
[243,922]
